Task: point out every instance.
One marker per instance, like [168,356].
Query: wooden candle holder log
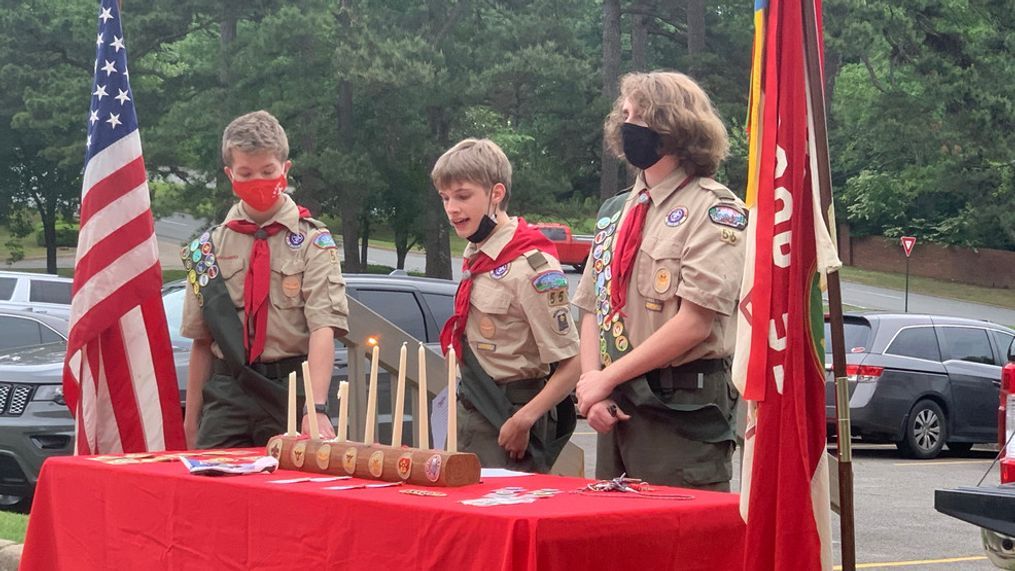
[375,461]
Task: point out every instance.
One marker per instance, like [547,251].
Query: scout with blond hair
[267,295]
[659,292]
[511,321]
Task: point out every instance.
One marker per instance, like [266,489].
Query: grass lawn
[929,286]
[13,526]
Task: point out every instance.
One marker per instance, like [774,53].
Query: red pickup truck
[572,249]
[991,507]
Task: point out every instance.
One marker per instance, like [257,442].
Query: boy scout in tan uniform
[671,416]
[243,403]
[518,320]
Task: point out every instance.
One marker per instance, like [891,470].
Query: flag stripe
[112,188]
[110,160]
[128,236]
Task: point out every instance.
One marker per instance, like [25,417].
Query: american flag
[119,379]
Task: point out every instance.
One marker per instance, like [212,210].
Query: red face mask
[260,193]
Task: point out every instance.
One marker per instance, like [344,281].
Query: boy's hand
[604,415]
[593,387]
[514,437]
[327,431]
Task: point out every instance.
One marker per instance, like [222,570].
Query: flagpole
[817,100]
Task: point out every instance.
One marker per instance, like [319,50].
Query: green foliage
[66,235]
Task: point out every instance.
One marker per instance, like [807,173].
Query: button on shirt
[514,329]
[307,289]
[684,255]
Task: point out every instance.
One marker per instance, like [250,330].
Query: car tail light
[1006,411]
[863,373]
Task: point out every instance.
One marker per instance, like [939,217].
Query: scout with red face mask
[268,294]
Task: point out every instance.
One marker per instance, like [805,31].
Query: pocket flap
[489,299]
[229,267]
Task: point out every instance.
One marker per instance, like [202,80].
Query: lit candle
[396,417]
[291,426]
[343,411]
[423,420]
[452,401]
[308,388]
[368,432]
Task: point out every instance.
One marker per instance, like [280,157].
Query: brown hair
[479,161]
[252,133]
[674,106]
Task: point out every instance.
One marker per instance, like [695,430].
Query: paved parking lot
[896,524]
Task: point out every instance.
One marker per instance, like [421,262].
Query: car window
[856,334]
[554,233]
[966,344]
[19,332]
[7,287]
[918,342]
[1004,341]
[398,307]
[173,303]
[441,306]
[50,292]
[48,335]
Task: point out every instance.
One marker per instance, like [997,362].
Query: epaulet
[315,223]
[624,190]
[536,259]
[721,192]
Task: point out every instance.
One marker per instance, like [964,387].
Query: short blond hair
[253,133]
[674,106]
[478,161]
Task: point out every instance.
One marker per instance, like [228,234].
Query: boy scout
[659,294]
[512,319]
[267,294]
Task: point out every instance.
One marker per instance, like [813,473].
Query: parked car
[35,423]
[991,507]
[40,293]
[921,381]
[572,249]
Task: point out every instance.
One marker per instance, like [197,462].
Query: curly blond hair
[674,106]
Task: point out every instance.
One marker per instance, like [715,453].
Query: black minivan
[920,381]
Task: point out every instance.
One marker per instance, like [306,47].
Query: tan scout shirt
[685,254]
[514,330]
[307,289]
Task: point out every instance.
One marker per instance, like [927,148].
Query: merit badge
[727,216]
[196,287]
[622,344]
[376,464]
[676,216]
[487,327]
[404,466]
[275,447]
[563,323]
[349,460]
[192,276]
[212,272]
[323,456]
[203,280]
[611,230]
[551,279]
[205,247]
[598,266]
[500,271]
[603,223]
[185,253]
[618,328]
[195,245]
[653,305]
[608,273]
[615,217]
[196,256]
[188,264]
[325,241]
[662,280]
[201,267]
[600,237]
[299,453]
[209,259]
[295,240]
[607,360]
[200,299]
[600,283]
[205,237]
[432,468]
[727,235]
[607,256]
[291,286]
[602,345]
[597,252]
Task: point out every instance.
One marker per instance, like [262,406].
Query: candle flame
[371,341]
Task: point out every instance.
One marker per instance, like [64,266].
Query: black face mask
[486,226]
[641,145]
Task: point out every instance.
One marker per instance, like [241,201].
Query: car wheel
[926,431]
[21,504]
[960,447]
[578,267]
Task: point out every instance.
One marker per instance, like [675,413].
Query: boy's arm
[320,358]
[514,435]
[197,373]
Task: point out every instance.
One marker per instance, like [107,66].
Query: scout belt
[490,400]
[225,326]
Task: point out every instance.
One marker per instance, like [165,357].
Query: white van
[40,293]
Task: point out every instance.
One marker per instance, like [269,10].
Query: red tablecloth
[91,515]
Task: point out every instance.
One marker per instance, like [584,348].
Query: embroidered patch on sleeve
[325,241]
[727,216]
[557,297]
[546,281]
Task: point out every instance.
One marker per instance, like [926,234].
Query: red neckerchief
[257,281]
[525,238]
[626,247]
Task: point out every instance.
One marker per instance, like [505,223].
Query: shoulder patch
[549,280]
[716,188]
[536,259]
[727,216]
[325,241]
